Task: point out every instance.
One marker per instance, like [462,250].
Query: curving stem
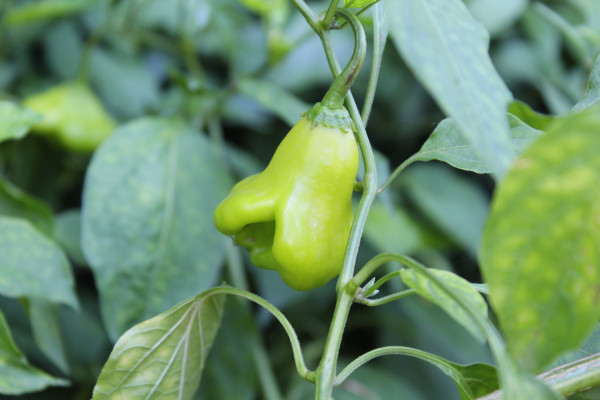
[335,96]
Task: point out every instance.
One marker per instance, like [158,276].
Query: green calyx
[323,115]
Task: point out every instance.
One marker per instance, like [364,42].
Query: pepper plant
[128,252]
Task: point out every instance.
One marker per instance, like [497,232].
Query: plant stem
[379,38]
[370,179]
[333,6]
[386,299]
[447,367]
[567,379]
[303,371]
[334,98]
[397,172]
[325,374]
[380,282]
[308,13]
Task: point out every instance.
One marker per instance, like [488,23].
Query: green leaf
[530,117]
[460,286]
[358,3]
[16,203]
[541,243]
[272,97]
[32,265]
[16,375]
[447,144]
[447,50]
[592,96]
[147,227]
[67,232]
[481,379]
[46,331]
[163,357]
[453,203]
[35,11]
[16,120]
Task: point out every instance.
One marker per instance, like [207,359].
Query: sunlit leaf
[541,244]
[163,357]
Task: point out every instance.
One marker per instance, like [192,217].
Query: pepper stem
[334,98]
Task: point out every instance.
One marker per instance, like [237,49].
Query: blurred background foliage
[241,72]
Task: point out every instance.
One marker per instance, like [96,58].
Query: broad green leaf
[447,144]
[46,331]
[358,3]
[447,50]
[282,103]
[35,11]
[163,357]
[453,203]
[592,96]
[541,244]
[425,288]
[16,203]
[16,375]
[16,120]
[67,232]
[147,225]
[32,265]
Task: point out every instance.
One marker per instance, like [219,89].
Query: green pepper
[295,216]
[72,115]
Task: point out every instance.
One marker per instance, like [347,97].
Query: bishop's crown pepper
[295,216]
